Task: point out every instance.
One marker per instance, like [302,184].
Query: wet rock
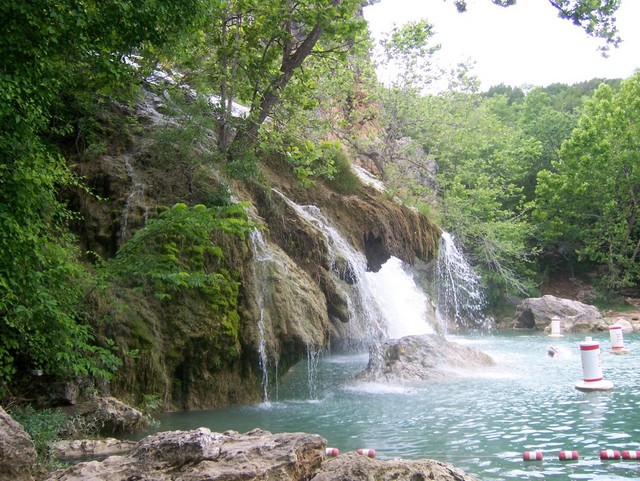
[421,358]
[354,467]
[536,313]
[17,452]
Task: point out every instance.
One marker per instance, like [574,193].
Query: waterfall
[460,297]
[136,193]
[381,304]
[262,258]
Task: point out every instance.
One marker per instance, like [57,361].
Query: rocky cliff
[291,297]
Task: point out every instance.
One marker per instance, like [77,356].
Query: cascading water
[262,258]
[136,193]
[460,298]
[381,304]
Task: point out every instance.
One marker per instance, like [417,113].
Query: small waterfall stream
[262,258]
[460,297]
[136,194]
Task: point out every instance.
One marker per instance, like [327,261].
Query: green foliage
[344,180]
[174,255]
[42,283]
[45,426]
[175,251]
[309,161]
[188,139]
[588,205]
[253,51]
[59,60]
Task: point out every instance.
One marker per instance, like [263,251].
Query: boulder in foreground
[202,455]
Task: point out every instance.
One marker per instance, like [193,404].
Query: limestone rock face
[113,415]
[536,313]
[201,455]
[421,358]
[91,447]
[17,452]
[361,468]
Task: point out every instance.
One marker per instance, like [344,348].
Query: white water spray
[460,297]
[262,257]
[381,304]
[136,194]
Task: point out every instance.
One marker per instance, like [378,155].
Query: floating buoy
[532,456]
[568,455]
[591,370]
[371,453]
[331,452]
[609,454]
[555,327]
[617,340]
[630,454]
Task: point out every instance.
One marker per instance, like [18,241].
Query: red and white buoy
[333,452]
[555,327]
[568,455]
[532,456]
[592,378]
[609,454]
[630,454]
[370,453]
[617,340]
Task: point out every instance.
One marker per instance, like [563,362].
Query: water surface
[481,422]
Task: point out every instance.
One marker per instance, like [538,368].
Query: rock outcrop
[421,358]
[202,455]
[110,415]
[353,467]
[17,452]
[83,448]
[537,313]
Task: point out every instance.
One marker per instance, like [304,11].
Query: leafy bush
[343,180]
[175,255]
[45,427]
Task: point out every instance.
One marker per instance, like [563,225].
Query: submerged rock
[202,455]
[421,358]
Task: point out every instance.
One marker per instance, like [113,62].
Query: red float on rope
[568,455]
[609,454]
[630,454]
[371,453]
[532,456]
[331,452]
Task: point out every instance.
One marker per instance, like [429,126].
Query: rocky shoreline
[202,455]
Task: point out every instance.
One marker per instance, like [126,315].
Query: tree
[251,50]
[588,207]
[58,59]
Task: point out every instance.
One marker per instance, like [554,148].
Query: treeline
[523,183]
[531,181]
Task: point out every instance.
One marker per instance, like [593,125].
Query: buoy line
[536,455]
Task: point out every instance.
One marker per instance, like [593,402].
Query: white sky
[523,44]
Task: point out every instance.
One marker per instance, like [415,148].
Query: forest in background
[529,182]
